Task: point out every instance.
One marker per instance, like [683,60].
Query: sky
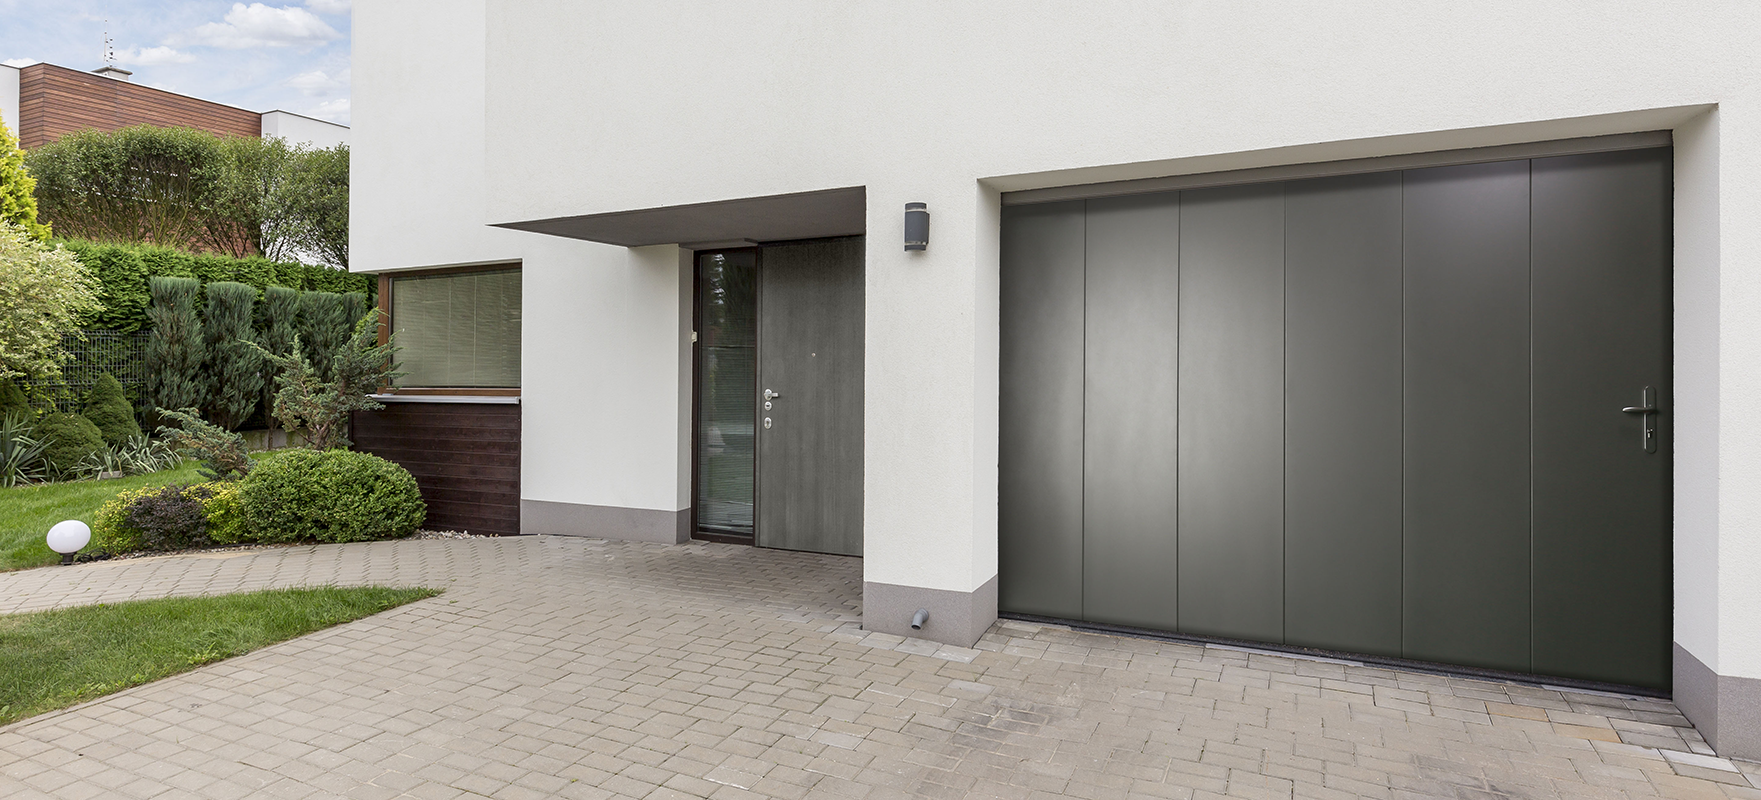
[291,55]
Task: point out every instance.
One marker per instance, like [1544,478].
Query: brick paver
[566,667]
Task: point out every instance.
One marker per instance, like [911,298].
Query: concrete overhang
[773,218]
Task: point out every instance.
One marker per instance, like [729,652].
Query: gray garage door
[1398,413]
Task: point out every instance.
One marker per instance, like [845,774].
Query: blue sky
[291,55]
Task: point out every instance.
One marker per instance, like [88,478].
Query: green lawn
[26,512]
[54,659]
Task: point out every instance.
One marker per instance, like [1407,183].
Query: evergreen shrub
[330,496]
[234,369]
[70,439]
[175,349]
[13,401]
[124,270]
[108,408]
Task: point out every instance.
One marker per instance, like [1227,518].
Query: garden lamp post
[67,537]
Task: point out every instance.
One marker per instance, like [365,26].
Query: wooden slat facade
[54,101]
[464,456]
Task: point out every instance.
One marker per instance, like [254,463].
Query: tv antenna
[109,46]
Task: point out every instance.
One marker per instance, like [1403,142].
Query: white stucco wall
[677,103]
[603,330]
[299,129]
[610,106]
[9,97]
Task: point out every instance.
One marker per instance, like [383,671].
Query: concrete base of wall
[605,522]
[272,439]
[1725,708]
[956,618]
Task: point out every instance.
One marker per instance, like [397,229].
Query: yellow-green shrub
[222,519]
[226,514]
[110,531]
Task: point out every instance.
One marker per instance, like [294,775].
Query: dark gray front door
[810,355]
[1402,413]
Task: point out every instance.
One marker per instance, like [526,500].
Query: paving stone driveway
[565,667]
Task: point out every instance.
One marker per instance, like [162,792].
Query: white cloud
[317,83]
[258,25]
[152,56]
[328,6]
[336,111]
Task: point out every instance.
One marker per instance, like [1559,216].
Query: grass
[26,512]
[54,659]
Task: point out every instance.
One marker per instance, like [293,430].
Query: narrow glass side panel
[727,391]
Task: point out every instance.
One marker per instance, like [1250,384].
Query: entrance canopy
[774,218]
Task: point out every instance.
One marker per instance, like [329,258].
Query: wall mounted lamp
[916,226]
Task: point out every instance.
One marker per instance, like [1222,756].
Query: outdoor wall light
[916,226]
[67,537]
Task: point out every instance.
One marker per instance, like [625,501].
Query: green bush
[110,532]
[222,452]
[176,517]
[123,270]
[225,511]
[330,496]
[172,518]
[108,409]
[13,401]
[70,440]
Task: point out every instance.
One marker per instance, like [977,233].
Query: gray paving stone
[572,667]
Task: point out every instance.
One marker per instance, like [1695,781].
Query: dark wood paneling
[54,101]
[464,456]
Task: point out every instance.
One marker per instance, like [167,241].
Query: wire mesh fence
[91,354]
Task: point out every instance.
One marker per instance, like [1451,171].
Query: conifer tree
[324,326]
[18,200]
[279,324]
[175,348]
[233,367]
[109,409]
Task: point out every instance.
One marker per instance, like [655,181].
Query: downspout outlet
[919,618]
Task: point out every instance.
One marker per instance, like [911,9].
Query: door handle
[1647,408]
[770,395]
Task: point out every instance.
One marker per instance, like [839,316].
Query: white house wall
[303,130]
[604,330]
[583,108]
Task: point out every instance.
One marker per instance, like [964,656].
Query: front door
[779,395]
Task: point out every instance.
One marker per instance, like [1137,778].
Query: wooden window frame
[385,323]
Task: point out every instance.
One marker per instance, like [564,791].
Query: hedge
[123,269]
[330,496]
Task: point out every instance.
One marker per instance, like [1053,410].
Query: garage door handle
[1648,409]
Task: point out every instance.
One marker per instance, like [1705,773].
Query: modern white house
[1427,334]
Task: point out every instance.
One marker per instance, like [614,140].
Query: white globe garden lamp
[67,537]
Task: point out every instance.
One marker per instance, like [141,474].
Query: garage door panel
[1039,480]
[1232,412]
[1601,253]
[1343,413]
[1130,556]
[1375,413]
[1466,420]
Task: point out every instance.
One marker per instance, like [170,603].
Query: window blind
[460,330]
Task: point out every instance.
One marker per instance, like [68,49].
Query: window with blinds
[459,330]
